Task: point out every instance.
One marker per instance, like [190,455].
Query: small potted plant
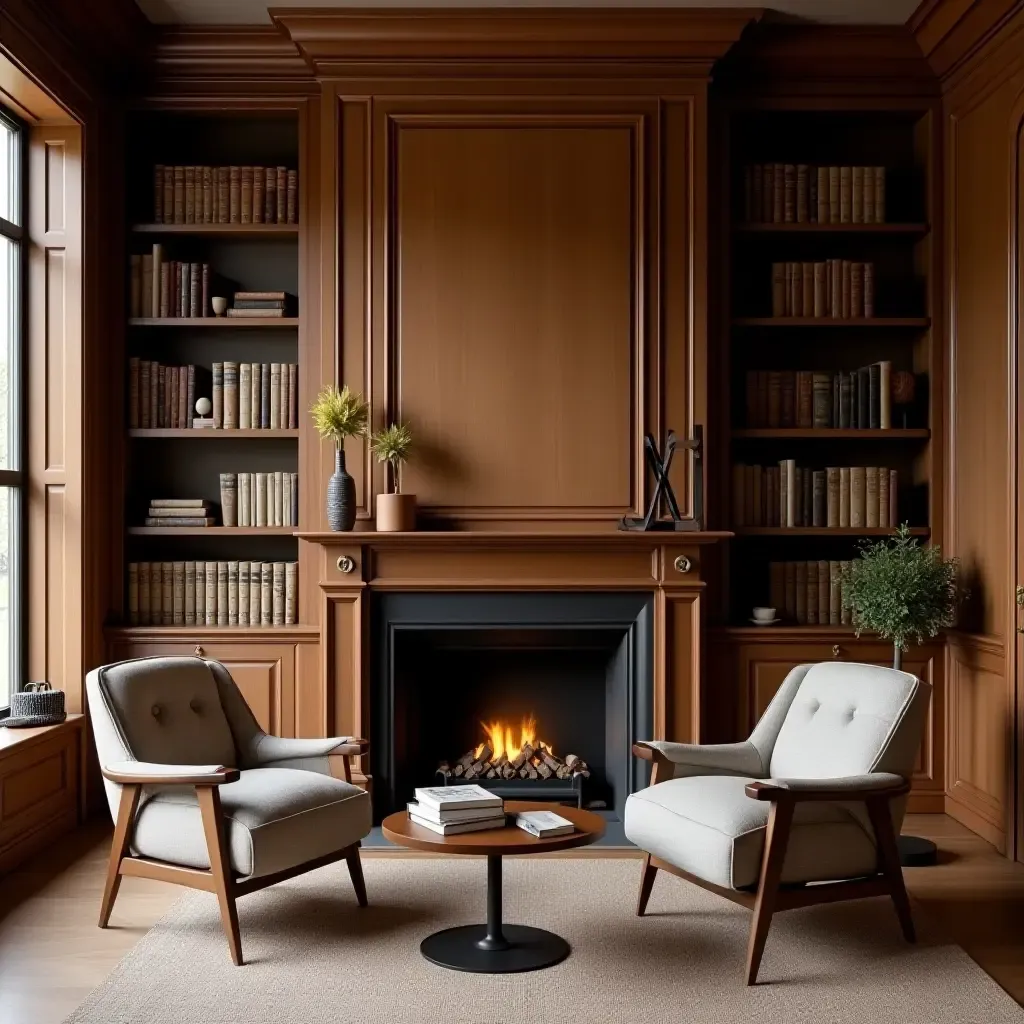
[338,415]
[396,512]
[901,590]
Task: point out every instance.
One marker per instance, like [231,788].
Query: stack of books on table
[258,304]
[179,512]
[449,810]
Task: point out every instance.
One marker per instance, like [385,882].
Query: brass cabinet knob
[836,652]
[198,652]
[346,564]
[682,564]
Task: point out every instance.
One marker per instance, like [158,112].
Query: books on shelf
[167,288]
[860,399]
[809,593]
[179,512]
[779,193]
[160,396]
[203,194]
[832,289]
[195,593]
[795,497]
[255,396]
[264,499]
[447,798]
[544,824]
[256,305]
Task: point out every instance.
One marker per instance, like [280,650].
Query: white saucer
[766,622]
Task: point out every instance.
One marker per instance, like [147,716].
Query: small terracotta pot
[396,513]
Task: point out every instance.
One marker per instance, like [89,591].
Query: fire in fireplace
[500,756]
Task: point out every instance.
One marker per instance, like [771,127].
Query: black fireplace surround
[580,663]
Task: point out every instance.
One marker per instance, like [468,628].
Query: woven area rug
[314,957]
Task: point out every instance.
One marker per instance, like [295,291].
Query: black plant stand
[494,948]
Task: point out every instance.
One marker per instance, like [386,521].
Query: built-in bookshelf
[212,292]
[827,374]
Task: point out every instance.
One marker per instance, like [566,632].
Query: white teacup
[219,304]
[764,614]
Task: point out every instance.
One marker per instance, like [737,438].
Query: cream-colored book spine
[883,497]
[278,498]
[232,593]
[243,500]
[229,499]
[255,397]
[211,593]
[167,593]
[291,593]
[844,496]
[871,496]
[252,499]
[133,593]
[267,594]
[222,593]
[244,396]
[894,512]
[261,499]
[275,396]
[271,499]
[144,619]
[278,597]
[858,495]
[178,594]
[190,593]
[255,592]
[885,394]
[230,395]
[286,511]
[243,593]
[200,593]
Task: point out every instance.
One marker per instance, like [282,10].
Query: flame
[501,738]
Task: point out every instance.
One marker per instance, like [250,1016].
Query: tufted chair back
[840,719]
[168,711]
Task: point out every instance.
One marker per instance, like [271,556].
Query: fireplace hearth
[535,696]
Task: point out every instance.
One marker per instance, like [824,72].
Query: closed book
[190,194]
[788,467]
[788,193]
[871,496]
[821,400]
[183,419]
[856,290]
[257,390]
[868,195]
[845,399]
[190,593]
[789,577]
[457,828]
[163,404]
[275,396]
[156,591]
[265,396]
[286,507]
[291,593]
[133,392]
[178,593]
[802,193]
[146,284]
[857,195]
[208,194]
[261,499]
[201,594]
[145,415]
[820,290]
[244,500]
[835,289]
[167,196]
[846,612]
[218,395]
[221,174]
[858,497]
[834,594]
[167,594]
[172,396]
[446,798]
[281,185]
[293,396]
[179,503]
[777,587]
[879,177]
[195,289]
[154,395]
[278,593]
[175,512]
[774,398]
[158,194]
[845,195]
[244,396]
[883,497]
[157,260]
[165,279]
[452,815]
[779,194]
[869,290]
[234,195]
[822,195]
[258,303]
[787,386]
[269,195]
[807,288]
[232,593]
[255,593]
[180,289]
[845,286]
[812,593]
[832,497]
[230,395]
[133,593]
[179,195]
[264,296]
[229,498]
[819,511]
[182,522]
[544,824]
[245,195]
[885,395]
[271,501]
[241,313]
[834,195]
[243,593]
[278,498]
[874,373]
[796,298]
[806,476]
[222,593]
[844,496]
[804,398]
[894,517]
[801,593]
[863,398]
[204,290]
[292,201]
[266,593]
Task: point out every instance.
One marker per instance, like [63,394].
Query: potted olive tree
[396,512]
[900,590]
[338,415]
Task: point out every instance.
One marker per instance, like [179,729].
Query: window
[12,262]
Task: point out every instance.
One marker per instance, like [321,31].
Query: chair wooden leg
[647,876]
[889,864]
[776,838]
[355,869]
[220,867]
[119,849]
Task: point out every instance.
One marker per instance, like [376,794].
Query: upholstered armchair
[805,811]
[203,797]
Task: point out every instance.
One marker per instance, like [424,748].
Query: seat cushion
[275,819]
[708,826]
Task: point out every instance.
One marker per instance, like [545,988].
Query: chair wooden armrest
[662,767]
[860,788]
[343,758]
[124,775]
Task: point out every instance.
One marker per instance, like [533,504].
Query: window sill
[12,740]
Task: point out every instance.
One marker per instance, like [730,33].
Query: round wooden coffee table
[495,948]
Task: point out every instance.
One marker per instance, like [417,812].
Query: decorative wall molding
[951,32]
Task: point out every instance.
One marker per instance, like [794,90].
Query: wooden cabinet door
[264,672]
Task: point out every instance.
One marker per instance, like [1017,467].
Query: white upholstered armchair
[203,797]
[815,795]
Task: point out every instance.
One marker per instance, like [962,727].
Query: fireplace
[448,667]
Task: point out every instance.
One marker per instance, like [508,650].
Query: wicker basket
[37,704]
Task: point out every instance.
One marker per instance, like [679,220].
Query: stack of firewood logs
[528,763]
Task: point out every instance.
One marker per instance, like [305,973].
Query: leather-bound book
[167,594]
[823,592]
[835,289]
[146,287]
[863,398]
[234,195]
[179,300]
[275,396]
[894,515]
[820,290]
[807,491]
[178,594]
[789,576]
[869,290]
[154,394]
[233,593]
[835,595]
[802,194]
[229,499]
[208,194]
[845,400]
[812,593]
[190,593]
[156,593]
[172,397]
[244,397]
[277,582]
[144,594]
[244,598]
[255,593]
[230,382]
[788,499]
[844,496]
[195,289]
[190,194]
[293,395]
[201,594]
[801,593]
[291,593]
[774,399]
[845,611]
[133,593]
[822,205]
[157,259]
[871,496]
[158,194]
[145,408]
[265,396]
[819,498]
[217,395]
[257,391]
[179,195]
[846,281]
[281,186]
[845,195]
[183,419]
[293,197]
[166,279]
[874,372]
[821,400]
[222,593]
[832,497]
[807,285]
[222,175]
[168,200]
[856,290]
[204,290]
[245,195]
[269,195]
[857,195]
[796,301]
[191,408]
[258,184]
[858,497]
[161,395]
[868,197]
[834,195]
[883,496]
[879,195]
[804,398]
[266,594]
[788,386]
[789,193]
[778,289]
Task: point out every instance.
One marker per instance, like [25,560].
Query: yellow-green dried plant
[392,445]
[340,414]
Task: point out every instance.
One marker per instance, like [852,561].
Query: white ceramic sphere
[204,407]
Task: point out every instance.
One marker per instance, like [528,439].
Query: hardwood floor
[52,954]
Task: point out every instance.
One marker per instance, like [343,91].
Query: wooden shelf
[202,632]
[831,433]
[220,230]
[212,531]
[834,229]
[214,321]
[824,531]
[827,321]
[208,433]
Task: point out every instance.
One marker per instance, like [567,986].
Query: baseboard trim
[976,823]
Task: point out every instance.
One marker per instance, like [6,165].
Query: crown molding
[338,43]
[951,32]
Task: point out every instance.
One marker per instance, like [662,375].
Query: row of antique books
[840,289]
[180,512]
[807,194]
[788,495]
[255,396]
[189,194]
[860,399]
[213,593]
[809,593]
[159,287]
[260,499]
[160,395]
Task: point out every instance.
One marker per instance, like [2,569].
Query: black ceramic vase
[341,496]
